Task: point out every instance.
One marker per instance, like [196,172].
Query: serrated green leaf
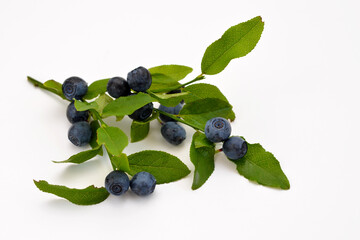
[120,162]
[164,166]
[169,73]
[202,158]
[198,112]
[169,100]
[236,42]
[96,88]
[127,105]
[113,138]
[262,167]
[139,131]
[82,156]
[88,196]
[205,90]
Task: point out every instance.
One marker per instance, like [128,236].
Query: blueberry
[117,182]
[118,87]
[74,87]
[74,115]
[172,110]
[217,129]
[143,183]
[142,113]
[235,148]
[139,79]
[80,133]
[173,133]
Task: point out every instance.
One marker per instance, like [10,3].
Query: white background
[297,94]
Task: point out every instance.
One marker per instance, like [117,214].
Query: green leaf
[96,88]
[99,104]
[236,42]
[164,166]
[200,140]
[204,90]
[102,101]
[83,106]
[169,73]
[119,118]
[82,156]
[202,158]
[93,142]
[56,86]
[120,162]
[113,138]
[127,105]
[53,86]
[169,100]
[262,167]
[139,131]
[88,196]
[159,86]
[197,113]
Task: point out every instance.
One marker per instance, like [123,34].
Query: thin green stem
[96,116]
[175,117]
[198,78]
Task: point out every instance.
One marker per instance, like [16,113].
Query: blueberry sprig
[199,105]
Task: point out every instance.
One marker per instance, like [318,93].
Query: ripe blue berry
[172,110]
[217,129]
[143,183]
[80,133]
[74,115]
[142,113]
[173,133]
[139,79]
[118,87]
[235,148]
[74,87]
[117,182]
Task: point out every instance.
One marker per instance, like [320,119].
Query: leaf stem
[198,78]
[175,117]
[36,83]
[96,116]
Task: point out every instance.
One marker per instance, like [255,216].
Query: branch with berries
[201,106]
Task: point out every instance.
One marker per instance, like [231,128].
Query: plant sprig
[202,102]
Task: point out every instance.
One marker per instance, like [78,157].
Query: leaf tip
[286,186]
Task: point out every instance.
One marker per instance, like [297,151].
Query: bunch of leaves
[202,102]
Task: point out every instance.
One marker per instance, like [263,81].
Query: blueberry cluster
[218,130]
[170,129]
[138,80]
[80,132]
[142,183]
